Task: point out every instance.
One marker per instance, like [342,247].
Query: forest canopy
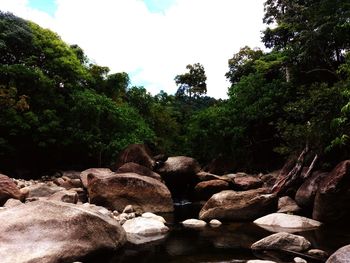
[58,110]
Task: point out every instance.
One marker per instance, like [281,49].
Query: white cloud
[154,47]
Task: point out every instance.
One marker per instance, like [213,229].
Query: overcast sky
[152,40]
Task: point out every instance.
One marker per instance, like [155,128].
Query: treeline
[59,110]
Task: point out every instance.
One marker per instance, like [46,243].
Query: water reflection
[226,243]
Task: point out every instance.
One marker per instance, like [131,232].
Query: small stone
[215,223]
[194,223]
[299,260]
[116,213]
[130,216]
[318,253]
[128,209]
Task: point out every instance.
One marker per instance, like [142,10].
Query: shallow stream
[228,243]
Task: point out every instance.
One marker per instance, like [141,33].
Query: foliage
[193,82]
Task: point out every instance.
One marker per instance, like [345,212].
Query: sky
[153,40]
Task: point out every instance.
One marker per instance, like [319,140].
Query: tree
[314,34]
[192,82]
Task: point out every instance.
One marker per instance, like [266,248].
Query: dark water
[227,243]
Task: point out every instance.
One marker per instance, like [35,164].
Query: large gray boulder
[342,255]
[237,206]
[48,232]
[289,223]
[282,241]
[116,191]
[97,172]
[179,174]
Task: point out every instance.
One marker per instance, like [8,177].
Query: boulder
[220,166]
[179,174]
[136,153]
[68,183]
[138,169]
[270,178]
[194,223]
[97,172]
[282,241]
[333,196]
[116,191]
[247,182]
[12,203]
[67,196]
[205,176]
[290,223]
[205,190]
[41,190]
[306,193]
[8,189]
[47,231]
[154,216]
[287,205]
[239,206]
[342,255]
[143,230]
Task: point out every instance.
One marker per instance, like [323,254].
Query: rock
[8,189]
[287,205]
[290,223]
[71,174]
[141,230]
[47,231]
[247,182]
[318,253]
[342,255]
[12,203]
[205,176]
[260,261]
[82,195]
[68,183]
[282,241]
[215,222]
[194,223]
[220,166]
[67,196]
[270,178]
[41,190]
[299,260]
[333,196]
[136,153]
[128,209]
[238,206]
[138,169]
[154,216]
[305,195]
[122,218]
[205,190]
[97,172]
[179,174]
[116,191]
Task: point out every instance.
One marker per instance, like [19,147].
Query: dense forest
[58,110]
